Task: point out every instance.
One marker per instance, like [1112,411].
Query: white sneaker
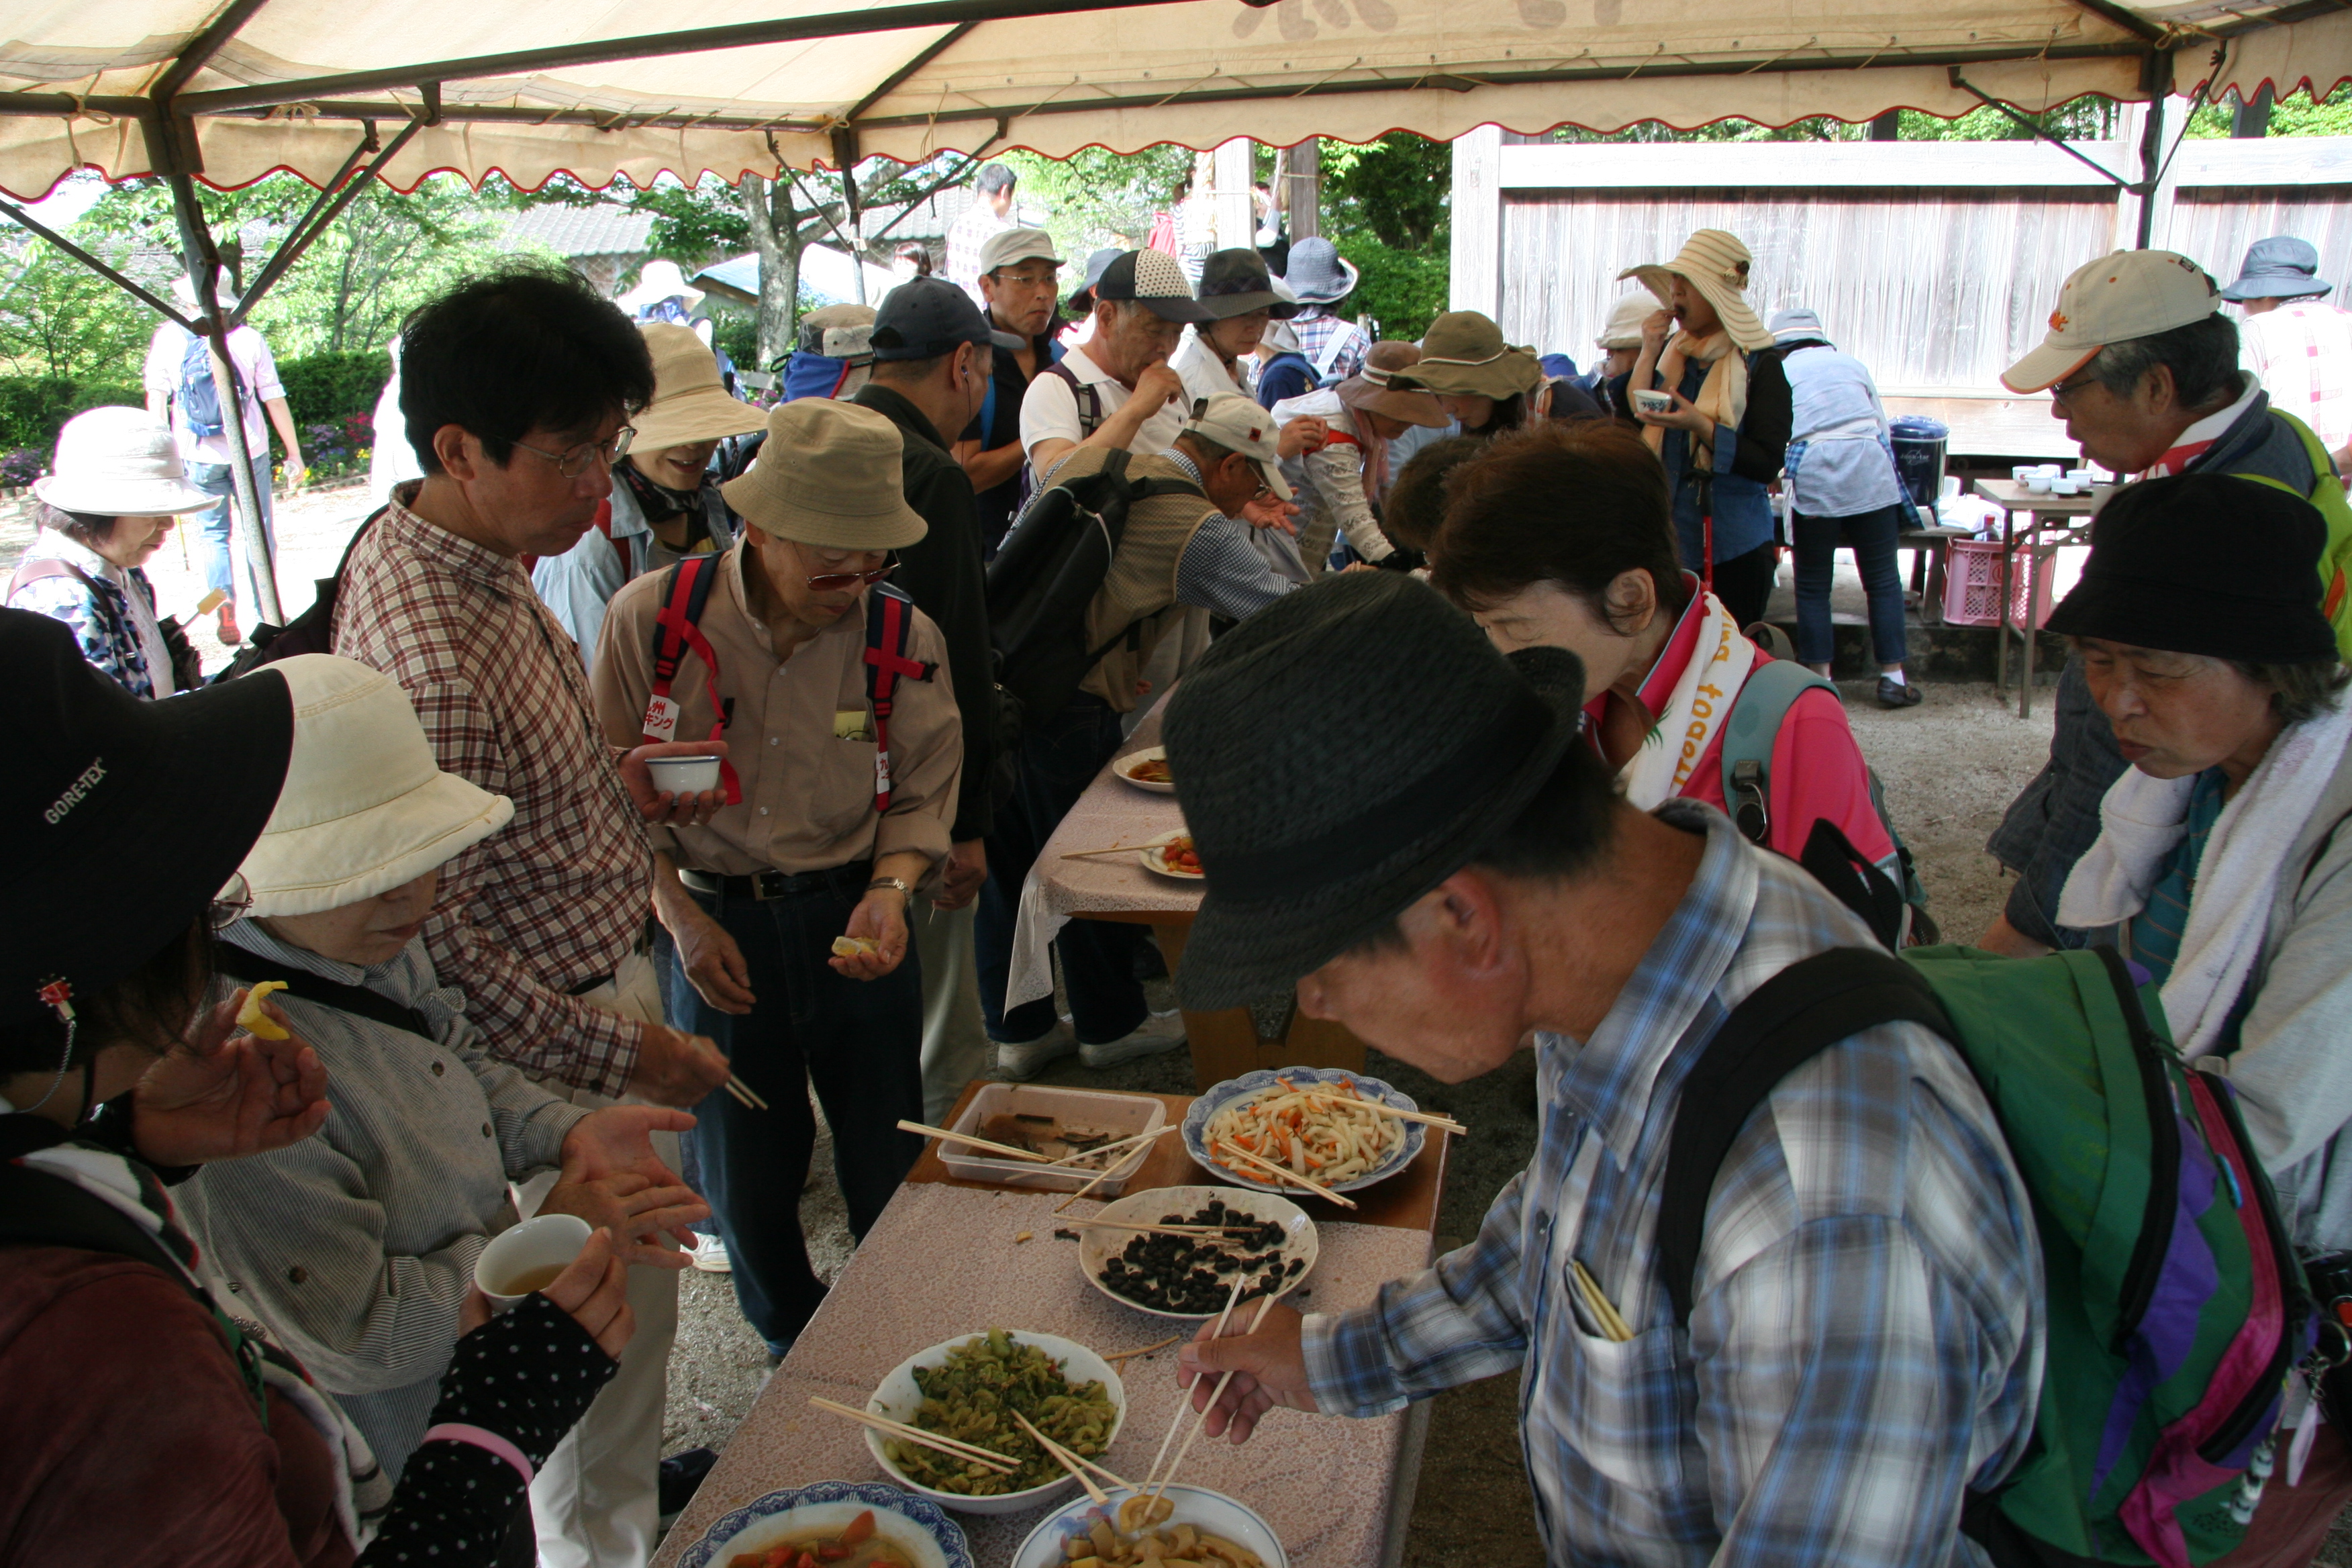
[1026,1061]
[1160,1032]
[709,1254]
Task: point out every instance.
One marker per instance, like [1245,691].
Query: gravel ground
[1950,766]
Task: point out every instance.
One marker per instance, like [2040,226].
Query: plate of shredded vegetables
[1312,1121]
[969,1389]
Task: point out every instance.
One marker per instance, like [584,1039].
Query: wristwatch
[904,892]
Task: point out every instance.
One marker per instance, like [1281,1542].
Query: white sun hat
[118,462]
[660,280]
[364,808]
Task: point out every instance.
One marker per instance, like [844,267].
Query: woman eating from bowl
[357,1246]
[145,1422]
[1559,536]
[2222,866]
[114,490]
[1490,387]
[665,505]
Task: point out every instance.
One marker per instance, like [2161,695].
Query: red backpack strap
[889,619]
[678,632]
[620,546]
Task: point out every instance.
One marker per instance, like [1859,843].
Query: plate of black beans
[1202,1240]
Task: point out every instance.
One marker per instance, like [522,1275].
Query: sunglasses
[826,582]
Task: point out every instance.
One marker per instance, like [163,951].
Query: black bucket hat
[2209,564]
[1235,282]
[1338,755]
[130,816]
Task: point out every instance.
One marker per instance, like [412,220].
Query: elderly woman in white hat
[1727,430]
[663,505]
[357,1246]
[114,490]
[1620,343]
[1339,483]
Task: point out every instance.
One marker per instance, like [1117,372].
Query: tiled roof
[603,229]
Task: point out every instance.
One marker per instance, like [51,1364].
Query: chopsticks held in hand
[745,1094]
[1159,1486]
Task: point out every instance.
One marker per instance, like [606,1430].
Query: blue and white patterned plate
[1196,1123]
[913,1525]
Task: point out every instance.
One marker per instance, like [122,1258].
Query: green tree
[2294,115]
[1387,205]
[60,319]
[1096,198]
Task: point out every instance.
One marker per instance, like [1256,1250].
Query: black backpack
[312,631]
[1047,574]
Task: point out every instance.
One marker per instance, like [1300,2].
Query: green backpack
[2336,558]
[2176,1307]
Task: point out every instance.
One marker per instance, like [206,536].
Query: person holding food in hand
[789,908]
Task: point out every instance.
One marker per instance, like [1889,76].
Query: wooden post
[1478,270]
[1303,190]
[1236,219]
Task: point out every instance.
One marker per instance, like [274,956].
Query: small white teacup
[528,1256]
[684,776]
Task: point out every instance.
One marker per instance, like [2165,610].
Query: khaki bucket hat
[690,403]
[828,475]
[1717,265]
[1385,385]
[1464,354]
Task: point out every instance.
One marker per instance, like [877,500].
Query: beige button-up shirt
[808,790]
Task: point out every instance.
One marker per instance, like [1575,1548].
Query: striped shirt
[551,903]
[1221,569]
[356,1246]
[1865,1341]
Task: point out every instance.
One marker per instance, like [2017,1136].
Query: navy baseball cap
[926,317]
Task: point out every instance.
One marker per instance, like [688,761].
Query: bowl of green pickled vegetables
[972,1390]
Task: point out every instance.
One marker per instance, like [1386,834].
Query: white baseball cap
[1009,247]
[1238,425]
[118,462]
[2122,295]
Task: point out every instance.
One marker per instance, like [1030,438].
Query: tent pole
[203,269]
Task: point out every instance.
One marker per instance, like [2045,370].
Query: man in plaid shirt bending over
[515,392]
[1407,827]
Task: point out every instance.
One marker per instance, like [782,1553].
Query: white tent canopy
[527,87]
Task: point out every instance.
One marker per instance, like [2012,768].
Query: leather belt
[765,886]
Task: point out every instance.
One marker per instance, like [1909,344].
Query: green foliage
[693,226]
[59,319]
[328,387]
[1096,198]
[1396,189]
[2086,117]
[736,334]
[1404,290]
[32,407]
[2294,115]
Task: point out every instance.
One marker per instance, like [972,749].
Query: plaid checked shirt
[1317,329]
[558,897]
[2301,354]
[1866,1336]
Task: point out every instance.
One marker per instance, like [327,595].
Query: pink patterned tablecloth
[1111,812]
[942,1262]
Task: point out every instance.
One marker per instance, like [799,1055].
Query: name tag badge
[853,725]
[881,773]
[661,719]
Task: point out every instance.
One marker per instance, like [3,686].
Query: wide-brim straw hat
[365,808]
[118,462]
[1337,756]
[1464,354]
[828,475]
[690,403]
[659,280]
[1385,386]
[1715,264]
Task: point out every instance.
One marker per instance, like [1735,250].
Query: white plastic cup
[684,776]
[528,1256]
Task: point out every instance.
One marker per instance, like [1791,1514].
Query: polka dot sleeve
[526,1376]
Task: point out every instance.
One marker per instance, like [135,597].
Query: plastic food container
[1121,1115]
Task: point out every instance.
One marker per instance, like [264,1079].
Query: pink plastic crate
[1972,584]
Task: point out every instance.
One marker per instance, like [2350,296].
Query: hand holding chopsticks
[1157,1485]
[745,1095]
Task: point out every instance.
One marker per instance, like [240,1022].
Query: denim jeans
[214,552]
[860,1042]
[1873,535]
[1058,760]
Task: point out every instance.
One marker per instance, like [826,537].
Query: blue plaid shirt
[1865,1341]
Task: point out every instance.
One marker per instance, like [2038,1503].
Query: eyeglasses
[575,462]
[826,582]
[2060,392]
[230,905]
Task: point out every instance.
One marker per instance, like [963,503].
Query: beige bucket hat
[365,808]
[1463,353]
[1385,386]
[690,403]
[1717,265]
[828,475]
[118,462]
[1625,319]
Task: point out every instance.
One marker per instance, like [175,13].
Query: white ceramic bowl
[1211,1512]
[899,1397]
[1125,766]
[916,1528]
[1099,1244]
[684,776]
[546,1241]
[1198,1116]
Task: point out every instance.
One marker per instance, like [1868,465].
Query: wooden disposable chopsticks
[1159,1488]
[1007,1150]
[957,1446]
[1114,850]
[1166,1230]
[1078,1464]
[1160,1132]
[1286,1174]
[745,1093]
